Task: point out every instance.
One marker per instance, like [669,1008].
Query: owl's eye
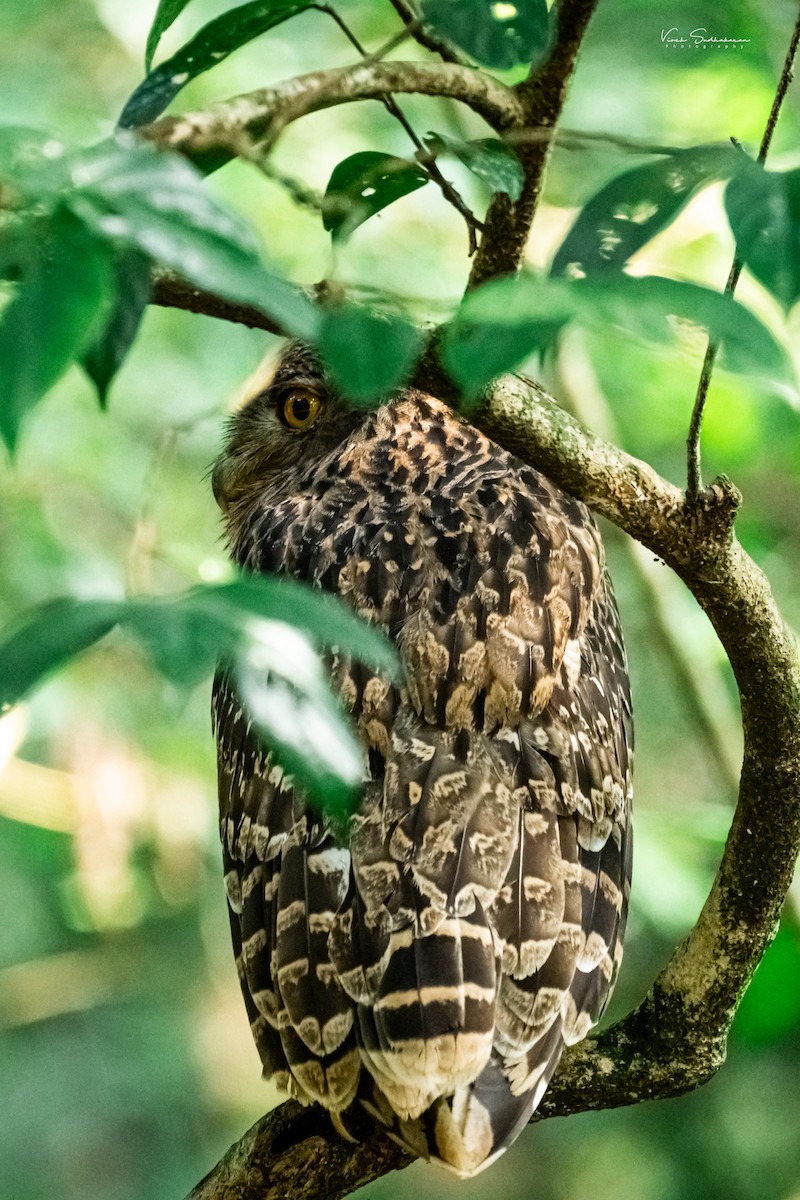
[300,409]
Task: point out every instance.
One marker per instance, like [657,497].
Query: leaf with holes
[630,210]
[763,209]
[60,303]
[497,33]
[362,185]
[501,323]
[207,49]
[368,354]
[490,159]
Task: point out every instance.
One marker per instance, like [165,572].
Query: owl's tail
[468,1131]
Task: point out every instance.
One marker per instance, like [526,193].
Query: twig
[170,291]
[542,96]
[694,476]
[390,44]
[423,36]
[578,139]
[448,191]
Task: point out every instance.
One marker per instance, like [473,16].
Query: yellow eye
[300,409]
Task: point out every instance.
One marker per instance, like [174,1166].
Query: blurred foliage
[126,1065]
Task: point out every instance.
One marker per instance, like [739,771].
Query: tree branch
[676,1038]
[170,291]
[293,1153]
[709,706]
[217,134]
[542,96]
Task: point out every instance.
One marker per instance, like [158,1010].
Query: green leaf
[207,49]
[630,210]
[325,618]
[362,185]
[167,12]
[46,639]
[20,244]
[490,159]
[153,202]
[180,636]
[497,33]
[184,634]
[368,354]
[59,304]
[268,630]
[644,307]
[156,203]
[503,322]
[500,324]
[105,356]
[288,698]
[763,209]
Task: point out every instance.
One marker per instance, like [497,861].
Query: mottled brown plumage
[435,961]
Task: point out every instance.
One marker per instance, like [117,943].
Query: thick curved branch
[220,132]
[677,1036]
[293,1153]
[542,96]
[692,1003]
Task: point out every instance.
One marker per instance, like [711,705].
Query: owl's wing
[560,915]
[285,878]
[498,868]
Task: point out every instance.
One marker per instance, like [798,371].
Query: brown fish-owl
[433,959]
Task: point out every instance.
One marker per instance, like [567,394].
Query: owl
[430,960]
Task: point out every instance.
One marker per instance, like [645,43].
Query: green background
[126,1066]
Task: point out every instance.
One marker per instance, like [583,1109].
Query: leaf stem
[429,165]
[694,479]
[423,36]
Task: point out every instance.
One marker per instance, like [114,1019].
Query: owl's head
[291,418]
